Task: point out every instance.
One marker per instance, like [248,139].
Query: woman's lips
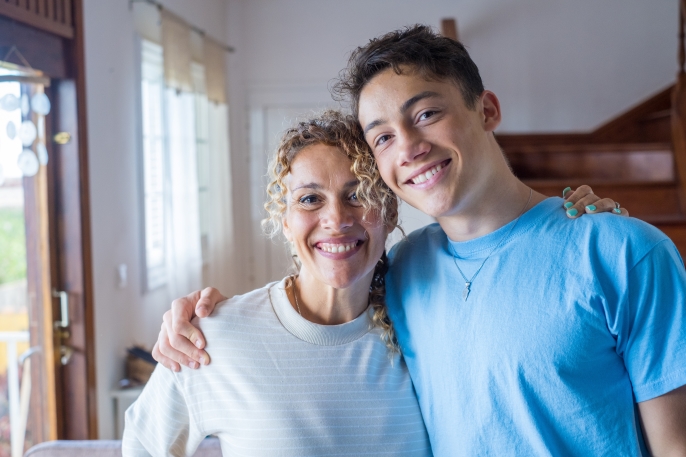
[338,250]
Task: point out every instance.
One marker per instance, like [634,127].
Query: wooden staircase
[638,158]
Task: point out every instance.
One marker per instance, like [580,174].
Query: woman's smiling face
[334,242]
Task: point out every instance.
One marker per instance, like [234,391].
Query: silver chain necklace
[468,282]
[295,295]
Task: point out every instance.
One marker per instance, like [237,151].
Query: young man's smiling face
[431,149]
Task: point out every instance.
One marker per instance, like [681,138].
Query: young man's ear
[490,110]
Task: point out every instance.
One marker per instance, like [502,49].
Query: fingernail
[567,189]
[572,212]
[198,344]
[591,208]
[175,368]
[194,365]
[617,211]
[569,205]
[203,309]
[202,360]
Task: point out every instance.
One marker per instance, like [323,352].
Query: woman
[307,365]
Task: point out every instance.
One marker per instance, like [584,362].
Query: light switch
[122,276]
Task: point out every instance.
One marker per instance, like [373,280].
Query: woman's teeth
[426,176]
[335,248]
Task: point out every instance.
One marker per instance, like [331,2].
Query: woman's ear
[285,230]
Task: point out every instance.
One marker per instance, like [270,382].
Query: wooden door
[62,403]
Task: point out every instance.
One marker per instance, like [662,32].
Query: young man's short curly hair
[417,48]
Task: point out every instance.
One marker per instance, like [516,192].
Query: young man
[524,334]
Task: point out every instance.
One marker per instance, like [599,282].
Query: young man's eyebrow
[408,104]
[405,106]
[372,124]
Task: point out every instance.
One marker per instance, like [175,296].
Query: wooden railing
[679,111]
[638,158]
[54,16]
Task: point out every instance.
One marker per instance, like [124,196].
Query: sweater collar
[322,335]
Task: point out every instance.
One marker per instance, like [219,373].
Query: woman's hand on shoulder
[583,201]
[180,342]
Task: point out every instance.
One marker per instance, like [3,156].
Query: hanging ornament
[9,102]
[40,103]
[41,126]
[27,133]
[2,176]
[11,130]
[28,163]
[25,105]
[42,152]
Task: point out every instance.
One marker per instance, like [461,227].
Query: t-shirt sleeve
[159,422]
[652,338]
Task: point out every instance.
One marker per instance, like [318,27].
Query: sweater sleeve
[159,423]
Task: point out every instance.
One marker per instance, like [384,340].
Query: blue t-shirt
[568,324]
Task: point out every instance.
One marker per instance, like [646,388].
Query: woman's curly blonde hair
[333,128]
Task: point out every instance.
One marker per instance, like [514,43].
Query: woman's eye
[308,199]
[354,200]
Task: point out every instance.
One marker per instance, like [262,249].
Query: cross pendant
[465,292]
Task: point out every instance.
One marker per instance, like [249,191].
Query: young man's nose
[411,145]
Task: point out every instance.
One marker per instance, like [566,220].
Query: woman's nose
[337,216]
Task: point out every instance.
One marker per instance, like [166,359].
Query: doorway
[46,351]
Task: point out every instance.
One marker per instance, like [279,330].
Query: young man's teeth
[336,248]
[426,176]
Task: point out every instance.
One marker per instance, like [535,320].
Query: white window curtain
[221,267]
[184,257]
[198,235]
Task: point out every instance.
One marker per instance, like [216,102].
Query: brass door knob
[62,138]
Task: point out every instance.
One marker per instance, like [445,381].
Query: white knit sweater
[279,385]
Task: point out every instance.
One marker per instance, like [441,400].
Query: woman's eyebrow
[312,185]
[315,186]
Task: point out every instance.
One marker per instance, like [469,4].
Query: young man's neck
[500,201]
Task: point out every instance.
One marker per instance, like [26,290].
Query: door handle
[63,323]
[62,138]
[65,354]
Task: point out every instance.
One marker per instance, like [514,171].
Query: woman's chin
[340,280]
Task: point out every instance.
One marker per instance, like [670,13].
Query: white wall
[122,316]
[555,64]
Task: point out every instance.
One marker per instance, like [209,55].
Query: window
[152,94]
[202,143]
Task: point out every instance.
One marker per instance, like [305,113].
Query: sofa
[103,448]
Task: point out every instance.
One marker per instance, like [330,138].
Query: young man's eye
[382,139]
[353,199]
[426,115]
